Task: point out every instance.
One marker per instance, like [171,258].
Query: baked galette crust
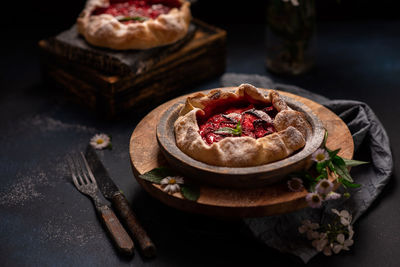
[292,130]
[106,31]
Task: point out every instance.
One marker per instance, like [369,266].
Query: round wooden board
[275,199]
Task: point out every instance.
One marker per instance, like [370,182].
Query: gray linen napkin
[371,144]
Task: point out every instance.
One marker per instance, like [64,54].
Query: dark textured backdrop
[47,17]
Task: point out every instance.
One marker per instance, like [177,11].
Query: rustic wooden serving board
[113,82]
[222,202]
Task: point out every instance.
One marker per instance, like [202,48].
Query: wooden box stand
[112,82]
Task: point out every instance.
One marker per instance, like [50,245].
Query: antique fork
[85,182]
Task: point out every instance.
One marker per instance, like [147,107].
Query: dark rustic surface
[44,221]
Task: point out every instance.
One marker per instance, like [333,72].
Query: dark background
[39,19]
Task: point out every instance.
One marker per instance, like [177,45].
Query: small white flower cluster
[323,191]
[171,184]
[320,155]
[294,2]
[332,237]
[100,141]
[295,184]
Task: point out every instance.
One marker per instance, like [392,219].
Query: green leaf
[348,184]
[190,192]
[322,175]
[157,174]
[331,167]
[338,161]
[352,163]
[341,168]
[320,166]
[228,130]
[325,138]
[333,153]
[309,177]
[343,172]
[132,18]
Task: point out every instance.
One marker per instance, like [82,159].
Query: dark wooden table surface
[45,221]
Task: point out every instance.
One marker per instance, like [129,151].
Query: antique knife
[120,203]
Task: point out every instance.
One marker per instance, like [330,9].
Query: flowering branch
[335,236]
[326,163]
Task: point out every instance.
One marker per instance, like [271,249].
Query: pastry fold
[292,129]
[106,31]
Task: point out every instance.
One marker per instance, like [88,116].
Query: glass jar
[290,36]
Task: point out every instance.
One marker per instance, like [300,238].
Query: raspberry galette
[134,24]
[239,129]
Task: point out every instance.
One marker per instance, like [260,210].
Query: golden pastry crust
[292,131]
[106,31]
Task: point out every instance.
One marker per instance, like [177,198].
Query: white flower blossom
[334,239]
[324,187]
[332,195]
[170,184]
[321,242]
[345,216]
[294,2]
[302,229]
[320,155]
[343,244]
[295,184]
[309,229]
[311,235]
[100,141]
[314,200]
[307,225]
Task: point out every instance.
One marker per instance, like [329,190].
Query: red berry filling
[132,11]
[254,120]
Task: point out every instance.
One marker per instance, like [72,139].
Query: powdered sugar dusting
[27,186]
[75,234]
[48,124]
[24,190]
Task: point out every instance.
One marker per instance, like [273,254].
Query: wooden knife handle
[116,231]
[146,246]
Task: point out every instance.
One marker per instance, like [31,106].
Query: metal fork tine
[82,172]
[86,178]
[92,179]
[75,181]
[78,171]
